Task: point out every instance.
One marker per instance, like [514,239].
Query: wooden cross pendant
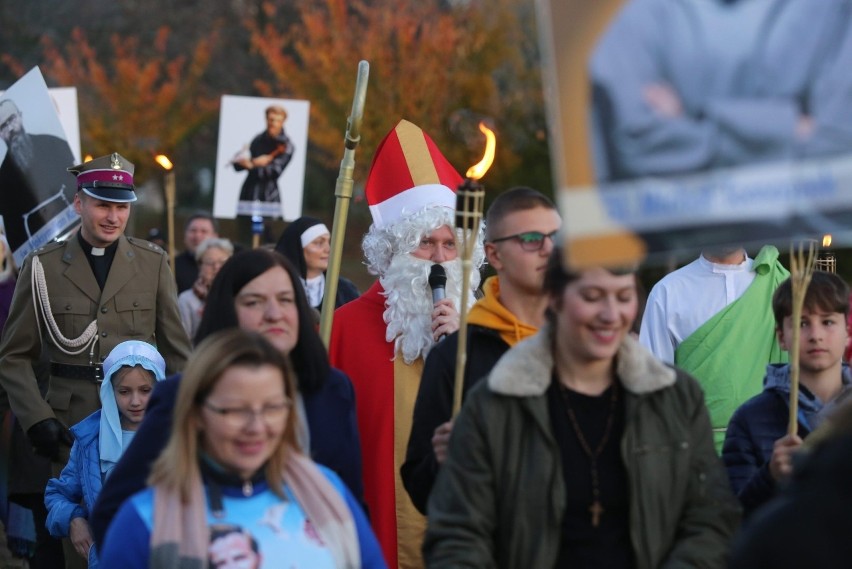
[596,509]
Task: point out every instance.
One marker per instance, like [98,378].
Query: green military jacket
[500,496]
[138,302]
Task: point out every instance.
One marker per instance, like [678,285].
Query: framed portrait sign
[261,157]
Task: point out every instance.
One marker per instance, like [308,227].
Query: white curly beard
[408,303]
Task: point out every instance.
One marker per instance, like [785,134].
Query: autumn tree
[441,66]
[136,99]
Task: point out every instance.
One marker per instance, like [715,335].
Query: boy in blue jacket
[131,369]
[758,450]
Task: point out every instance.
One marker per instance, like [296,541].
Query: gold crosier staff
[470,199]
[801,270]
[343,193]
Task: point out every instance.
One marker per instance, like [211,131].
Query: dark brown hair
[557,277]
[826,292]
[309,356]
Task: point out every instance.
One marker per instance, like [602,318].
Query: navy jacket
[346,292]
[331,420]
[807,524]
[755,427]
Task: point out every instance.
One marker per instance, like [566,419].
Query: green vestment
[728,354]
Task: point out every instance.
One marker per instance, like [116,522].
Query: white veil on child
[130,353]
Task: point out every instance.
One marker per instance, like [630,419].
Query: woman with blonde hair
[233,458]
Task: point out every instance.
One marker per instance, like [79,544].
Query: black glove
[47,435]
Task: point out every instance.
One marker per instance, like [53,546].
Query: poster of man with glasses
[36,190]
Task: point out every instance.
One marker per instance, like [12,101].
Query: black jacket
[186,270]
[434,403]
[346,292]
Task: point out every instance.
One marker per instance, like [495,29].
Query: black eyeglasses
[529,240]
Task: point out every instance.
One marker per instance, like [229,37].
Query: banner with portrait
[677,125]
[261,157]
[36,189]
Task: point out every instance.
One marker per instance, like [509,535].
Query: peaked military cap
[108,178]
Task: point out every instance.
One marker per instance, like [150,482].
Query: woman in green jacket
[582,450]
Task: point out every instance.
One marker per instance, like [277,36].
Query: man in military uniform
[76,300]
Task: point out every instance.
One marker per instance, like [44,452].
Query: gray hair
[213,243]
[381,245]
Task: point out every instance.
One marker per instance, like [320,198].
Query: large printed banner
[678,125]
[752,206]
[36,190]
[261,157]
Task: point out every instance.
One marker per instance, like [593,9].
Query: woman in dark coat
[581,449]
[255,290]
[306,243]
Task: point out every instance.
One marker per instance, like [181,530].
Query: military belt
[73,371]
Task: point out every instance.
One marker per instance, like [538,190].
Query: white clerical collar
[745,265]
[98,251]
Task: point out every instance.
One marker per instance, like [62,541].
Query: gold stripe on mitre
[416,153]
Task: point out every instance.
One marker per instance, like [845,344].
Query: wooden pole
[470,198]
[470,202]
[801,271]
[170,213]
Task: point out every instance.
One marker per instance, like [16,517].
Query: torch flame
[164,161]
[826,240]
[479,169]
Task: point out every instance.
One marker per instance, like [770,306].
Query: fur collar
[526,369]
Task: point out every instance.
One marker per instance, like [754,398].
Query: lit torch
[470,201]
[826,261]
[167,165]
[479,169]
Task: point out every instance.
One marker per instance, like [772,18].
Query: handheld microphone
[438,282]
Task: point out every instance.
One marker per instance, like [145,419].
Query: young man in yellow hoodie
[520,227]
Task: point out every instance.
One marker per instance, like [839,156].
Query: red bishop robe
[385,391]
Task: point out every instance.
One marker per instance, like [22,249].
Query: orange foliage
[134,101]
[434,66]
